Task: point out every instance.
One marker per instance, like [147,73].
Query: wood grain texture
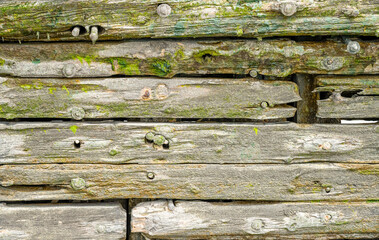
[119,143]
[204,220]
[146,98]
[307,106]
[62,221]
[200,18]
[166,58]
[297,182]
[352,97]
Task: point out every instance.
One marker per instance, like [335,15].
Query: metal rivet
[149,136]
[253,73]
[69,70]
[326,146]
[77,113]
[159,140]
[353,47]
[257,225]
[288,8]
[78,183]
[328,189]
[150,175]
[94,35]
[75,32]
[164,10]
[264,105]
[292,227]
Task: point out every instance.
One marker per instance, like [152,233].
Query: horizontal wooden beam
[146,98]
[166,58]
[297,182]
[170,143]
[208,220]
[63,221]
[351,97]
[120,19]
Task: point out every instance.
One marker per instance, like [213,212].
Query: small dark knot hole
[166,145]
[77,144]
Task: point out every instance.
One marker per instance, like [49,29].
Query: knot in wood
[149,136]
[288,8]
[77,113]
[257,225]
[69,70]
[146,94]
[164,10]
[161,91]
[78,183]
[159,140]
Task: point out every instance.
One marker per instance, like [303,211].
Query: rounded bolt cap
[150,175]
[159,140]
[288,8]
[264,105]
[77,113]
[353,47]
[164,10]
[78,183]
[253,73]
[150,136]
[69,70]
[75,32]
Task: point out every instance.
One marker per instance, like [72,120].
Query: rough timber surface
[361,102]
[204,220]
[166,58]
[46,20]
[62,221]
[146,97]
[295,182]
[120,143]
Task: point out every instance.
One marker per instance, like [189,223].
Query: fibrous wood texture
[45,20]
[62,221]
[168,143]
[166,58]
[207,220]
[351,97]
[315,181]
[146,97]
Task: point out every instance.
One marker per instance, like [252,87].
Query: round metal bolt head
[150,175]
[264,105]
[150,136]
[288,8]
[159,140]
[353,47]
[253,73]
[328,189]
[75,32]
[78,183]
[164,10]
[257,225]
[77,113]
[69,70]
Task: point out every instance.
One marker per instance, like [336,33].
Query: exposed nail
[149,136]
[288,8]
[75,32]
[159,140]
[353,47]
[253,73]
[257,225]
[78,183]
[77,113]
[164,10]
[150,175]
[69,70]
[94,35]
[264,105]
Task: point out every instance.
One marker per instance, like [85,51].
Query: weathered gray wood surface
[118,142]
[146,97]
[200,18]
[165,58]
[204,220]
[307,106]
[315,181]
[62,221]
[363,104]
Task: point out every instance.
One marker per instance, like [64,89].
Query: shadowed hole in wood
[100,29]
[325,95]
[166,145]
[207,57]
[77,144]
[82,30]
[350,94]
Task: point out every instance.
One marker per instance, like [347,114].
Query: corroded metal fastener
[164,10]
[69,70]
[77,113]
[78,183]
[94,35]
[353,47]
[75,32]
[264,105]
[150,175]
[288,8]
[253,73]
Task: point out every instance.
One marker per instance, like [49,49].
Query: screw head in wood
[264,105]
[75,32]
[94,35]
[257,225]
[353,47]
[164,10]
[150,175]
[77,113]
[78,183]
[288,8]
[69,70]
[253,73]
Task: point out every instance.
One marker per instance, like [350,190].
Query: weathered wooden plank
[146,97]
[307,107]
[325,181]
[204,220]
[62,221]
[183,18]
[352,97]
[169,143]
[165,58]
